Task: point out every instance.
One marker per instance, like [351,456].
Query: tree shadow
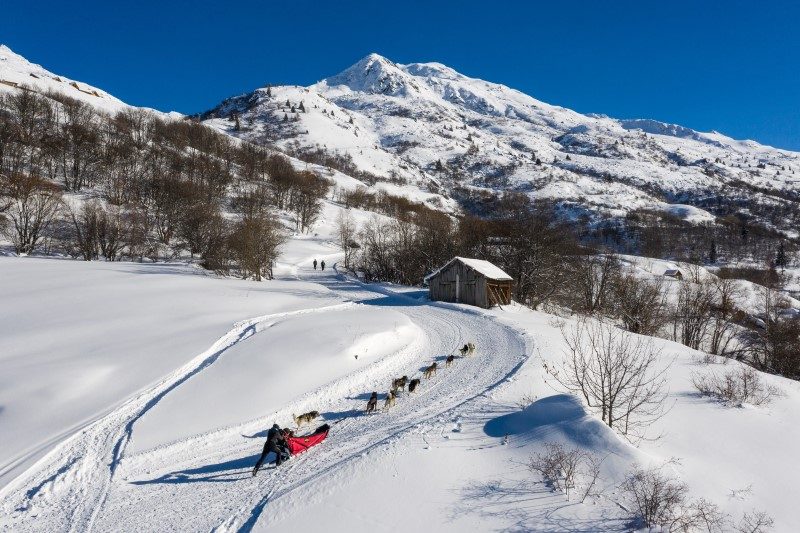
[225,472]
[531,506]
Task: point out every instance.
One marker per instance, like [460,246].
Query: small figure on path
[322,264]
[315,264]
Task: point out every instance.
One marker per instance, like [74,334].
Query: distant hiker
[276,443]
[315,264]
[372,403]
[322,264]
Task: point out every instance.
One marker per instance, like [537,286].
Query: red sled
[301,444]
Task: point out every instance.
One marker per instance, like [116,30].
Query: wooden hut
[470,281]
[674,273]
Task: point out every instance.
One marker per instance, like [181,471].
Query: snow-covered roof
[485,268]
[672,272]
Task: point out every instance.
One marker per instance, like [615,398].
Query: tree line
[133,185]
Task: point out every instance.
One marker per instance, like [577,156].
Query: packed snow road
[96,481]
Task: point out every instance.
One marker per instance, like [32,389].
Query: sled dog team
[397,385]
[412,384]
[276,438]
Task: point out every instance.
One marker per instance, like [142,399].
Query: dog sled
[299,444]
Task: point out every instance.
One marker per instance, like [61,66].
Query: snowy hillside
[17,72]
[173,447]
[426,126]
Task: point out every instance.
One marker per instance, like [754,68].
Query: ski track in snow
[88,482]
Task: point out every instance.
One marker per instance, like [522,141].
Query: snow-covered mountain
[428,128]
[17,73]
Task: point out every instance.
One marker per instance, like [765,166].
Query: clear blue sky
[732,66]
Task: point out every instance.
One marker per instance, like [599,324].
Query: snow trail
[89,482]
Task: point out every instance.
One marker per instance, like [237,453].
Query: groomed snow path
[203,483]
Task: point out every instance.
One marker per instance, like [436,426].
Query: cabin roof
[484,268]
[672,272]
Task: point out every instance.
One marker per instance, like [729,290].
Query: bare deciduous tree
[33,206]
[346,231]
[755,522]
[640,304]
[254,244]
[692,313]
[618,374]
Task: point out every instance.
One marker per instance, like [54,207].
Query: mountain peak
[374,74]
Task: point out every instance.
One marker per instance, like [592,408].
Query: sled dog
[468,349]
[430,371]
[450,359]
[305,418]
[399,383]
[372,403]
[412,385]
[391,399]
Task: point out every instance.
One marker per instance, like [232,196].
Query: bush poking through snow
[736,387]
[659,500]
[566,469]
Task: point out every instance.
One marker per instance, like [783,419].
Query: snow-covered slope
[16,73]
[430,128]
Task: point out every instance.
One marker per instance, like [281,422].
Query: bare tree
[592,281]
[616,373]
[33,206]
[755,522]
[346,230]
[254,244]
[692,313]
[640,304]
[774,344]
[85,225]
[723,315]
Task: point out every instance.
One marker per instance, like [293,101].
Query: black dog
[372,403]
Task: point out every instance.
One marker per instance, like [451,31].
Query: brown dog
[450,359]
[430,371]
[412,385]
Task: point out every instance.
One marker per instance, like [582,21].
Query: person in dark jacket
[315,264]
[276,443]
[322,264]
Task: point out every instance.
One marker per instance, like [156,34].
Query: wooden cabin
[674,273]
[470,281]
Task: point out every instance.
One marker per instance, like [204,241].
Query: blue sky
[730,66]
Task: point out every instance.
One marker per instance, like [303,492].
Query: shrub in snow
[565,469]
[659,500]
[736,387]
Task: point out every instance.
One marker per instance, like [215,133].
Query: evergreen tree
[285,117]
[287,103]
[269,91]
[712,252]
[780,256]
[439,165]
[302,107]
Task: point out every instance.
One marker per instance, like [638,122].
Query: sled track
[207,478]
